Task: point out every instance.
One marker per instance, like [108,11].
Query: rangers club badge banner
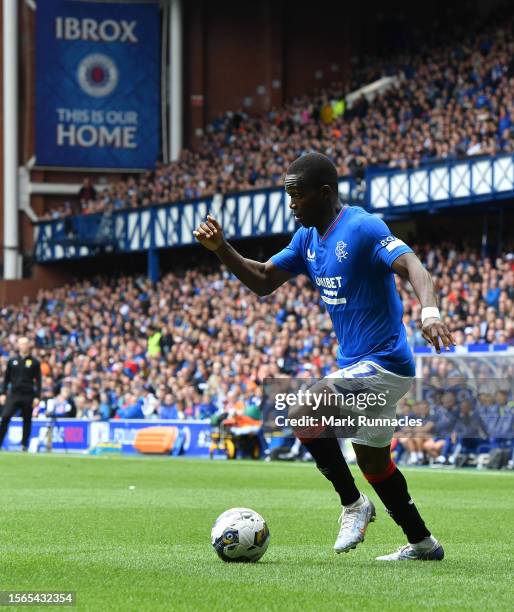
[97,84]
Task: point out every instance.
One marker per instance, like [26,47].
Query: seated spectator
[168,409]
[149,402]
[413,439]
[92,412]
[468,433]
[104,408]
[207,408]
[131,408]
[444,418]
[60,407]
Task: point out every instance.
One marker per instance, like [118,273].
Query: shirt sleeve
[383,245]
[291,257]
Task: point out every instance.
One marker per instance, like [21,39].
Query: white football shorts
[366,377]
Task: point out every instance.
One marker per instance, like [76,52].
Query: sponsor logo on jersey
[329,282]
[387,240]
[329,288]
[333,301]
[391,243]
[311,256]
[341,252]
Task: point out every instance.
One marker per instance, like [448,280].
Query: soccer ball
[240,535]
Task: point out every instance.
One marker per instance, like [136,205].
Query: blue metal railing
[265,212]
[450,183]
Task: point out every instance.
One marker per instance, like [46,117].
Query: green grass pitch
[73,523]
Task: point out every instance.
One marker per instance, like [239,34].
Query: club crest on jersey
[311,255]
[341,252]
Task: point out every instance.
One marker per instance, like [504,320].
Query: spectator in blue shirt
[131,409]
[444,418]
[502,401]
[104,408]
[445,415]
[469,430]
[486,408]
[493,293]
[207,408]
[500,424]
[168,408]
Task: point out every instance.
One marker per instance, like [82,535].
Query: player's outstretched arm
[261,278]
[434,331]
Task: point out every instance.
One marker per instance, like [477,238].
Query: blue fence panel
[266,212]
[451,183]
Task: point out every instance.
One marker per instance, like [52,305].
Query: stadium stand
[198,343]
[456,102]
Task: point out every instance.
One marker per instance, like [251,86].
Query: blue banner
[196,434]
[82,435]
[97,84]
[66,434]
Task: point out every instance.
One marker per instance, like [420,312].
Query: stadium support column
[10,112]
[176,93]
[153,265]
[152,257]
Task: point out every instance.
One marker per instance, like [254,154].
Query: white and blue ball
[240,535]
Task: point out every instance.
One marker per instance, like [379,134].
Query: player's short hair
[314,170]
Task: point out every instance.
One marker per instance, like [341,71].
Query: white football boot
[427,550]
[354,521]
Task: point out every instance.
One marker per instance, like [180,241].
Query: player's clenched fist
[210,234]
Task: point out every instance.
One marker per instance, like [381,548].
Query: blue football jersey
[350,264]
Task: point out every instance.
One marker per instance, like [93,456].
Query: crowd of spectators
[476,295]
[454,102]
[460,422]
[198,342]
